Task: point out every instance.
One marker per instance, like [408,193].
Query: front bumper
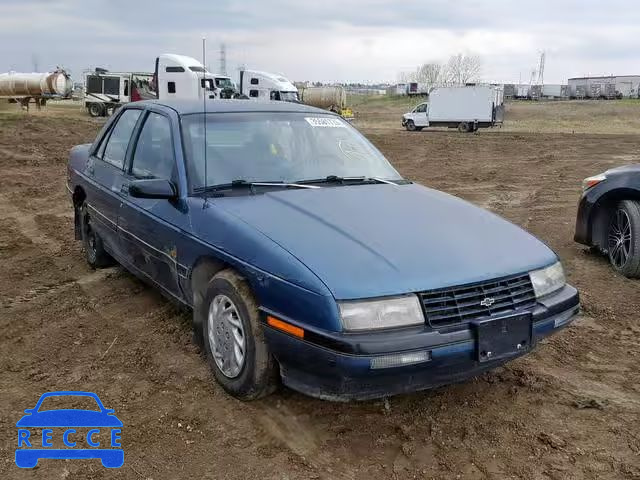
[338,366]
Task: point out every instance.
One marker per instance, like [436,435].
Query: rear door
[105,176]
[150,228]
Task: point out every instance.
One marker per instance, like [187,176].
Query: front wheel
[411,126]
[234,341]
[623,241]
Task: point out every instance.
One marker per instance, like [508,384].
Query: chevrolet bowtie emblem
[487,302]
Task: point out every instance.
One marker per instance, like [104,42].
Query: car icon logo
[487,302]
[69,433]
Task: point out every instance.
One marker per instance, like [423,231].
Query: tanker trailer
[22,87]
[329,98]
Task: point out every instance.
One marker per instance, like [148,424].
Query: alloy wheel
[619,238]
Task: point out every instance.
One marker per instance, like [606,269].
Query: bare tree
[463,68]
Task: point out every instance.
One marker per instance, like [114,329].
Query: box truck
[466,108]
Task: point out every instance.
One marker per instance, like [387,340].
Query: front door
[420,115]
[148,227]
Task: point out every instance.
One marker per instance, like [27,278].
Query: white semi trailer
[466,108]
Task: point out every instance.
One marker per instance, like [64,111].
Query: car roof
[185,107]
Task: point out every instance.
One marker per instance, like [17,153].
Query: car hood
[373,240]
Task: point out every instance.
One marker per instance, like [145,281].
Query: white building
[605,87]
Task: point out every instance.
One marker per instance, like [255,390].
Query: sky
[329,40]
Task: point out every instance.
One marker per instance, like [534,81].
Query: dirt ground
[569,410]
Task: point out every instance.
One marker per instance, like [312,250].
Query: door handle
[124,189]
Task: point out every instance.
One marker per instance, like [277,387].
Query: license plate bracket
[503,337]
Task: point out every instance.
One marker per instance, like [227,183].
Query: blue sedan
[305,257]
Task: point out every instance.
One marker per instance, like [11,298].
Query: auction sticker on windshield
[325,122]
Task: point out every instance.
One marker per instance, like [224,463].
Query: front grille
[456,305]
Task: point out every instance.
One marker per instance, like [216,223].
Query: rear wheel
[96,255]
[95,109]
[464,127]
[411,126]
[234,341]
[623,240]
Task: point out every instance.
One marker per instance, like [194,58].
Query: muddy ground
[570,410]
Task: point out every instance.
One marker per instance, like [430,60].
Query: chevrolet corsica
[305,257]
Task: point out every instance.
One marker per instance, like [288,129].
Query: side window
[118,142]
[254,81]
[253,93]
[126,88]
[171,87]
[153,157]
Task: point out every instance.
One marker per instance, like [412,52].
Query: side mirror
[153,188]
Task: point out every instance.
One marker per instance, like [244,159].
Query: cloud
[332,40]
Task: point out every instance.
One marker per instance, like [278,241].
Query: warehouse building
[624,86]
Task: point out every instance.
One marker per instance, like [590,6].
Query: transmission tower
[541,69]
[223,59]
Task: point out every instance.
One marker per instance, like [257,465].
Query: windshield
[289,96]
[224,83]
[277,147]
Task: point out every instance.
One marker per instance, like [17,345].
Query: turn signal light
[285,327]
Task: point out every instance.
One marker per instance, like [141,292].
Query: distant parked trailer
[510,90]
[523,91]
[554,91]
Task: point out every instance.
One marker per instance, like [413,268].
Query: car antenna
[204,115]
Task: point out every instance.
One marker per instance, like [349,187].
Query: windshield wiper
[338,179]
[241,183]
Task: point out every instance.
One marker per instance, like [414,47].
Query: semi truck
[175,76]
[257,85]
[106,91]
[179,76]
[466,108]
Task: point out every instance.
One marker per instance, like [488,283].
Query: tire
[463,127]
[623,238]
[95,254]
[256,376]
[410,126]
[95,110]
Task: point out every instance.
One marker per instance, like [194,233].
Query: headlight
[385,312]
[547,280]
[589,182]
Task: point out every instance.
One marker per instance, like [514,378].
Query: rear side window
[174,69]
[153,157]
[253,93]
[254,81]
[118,142]
[171,87]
